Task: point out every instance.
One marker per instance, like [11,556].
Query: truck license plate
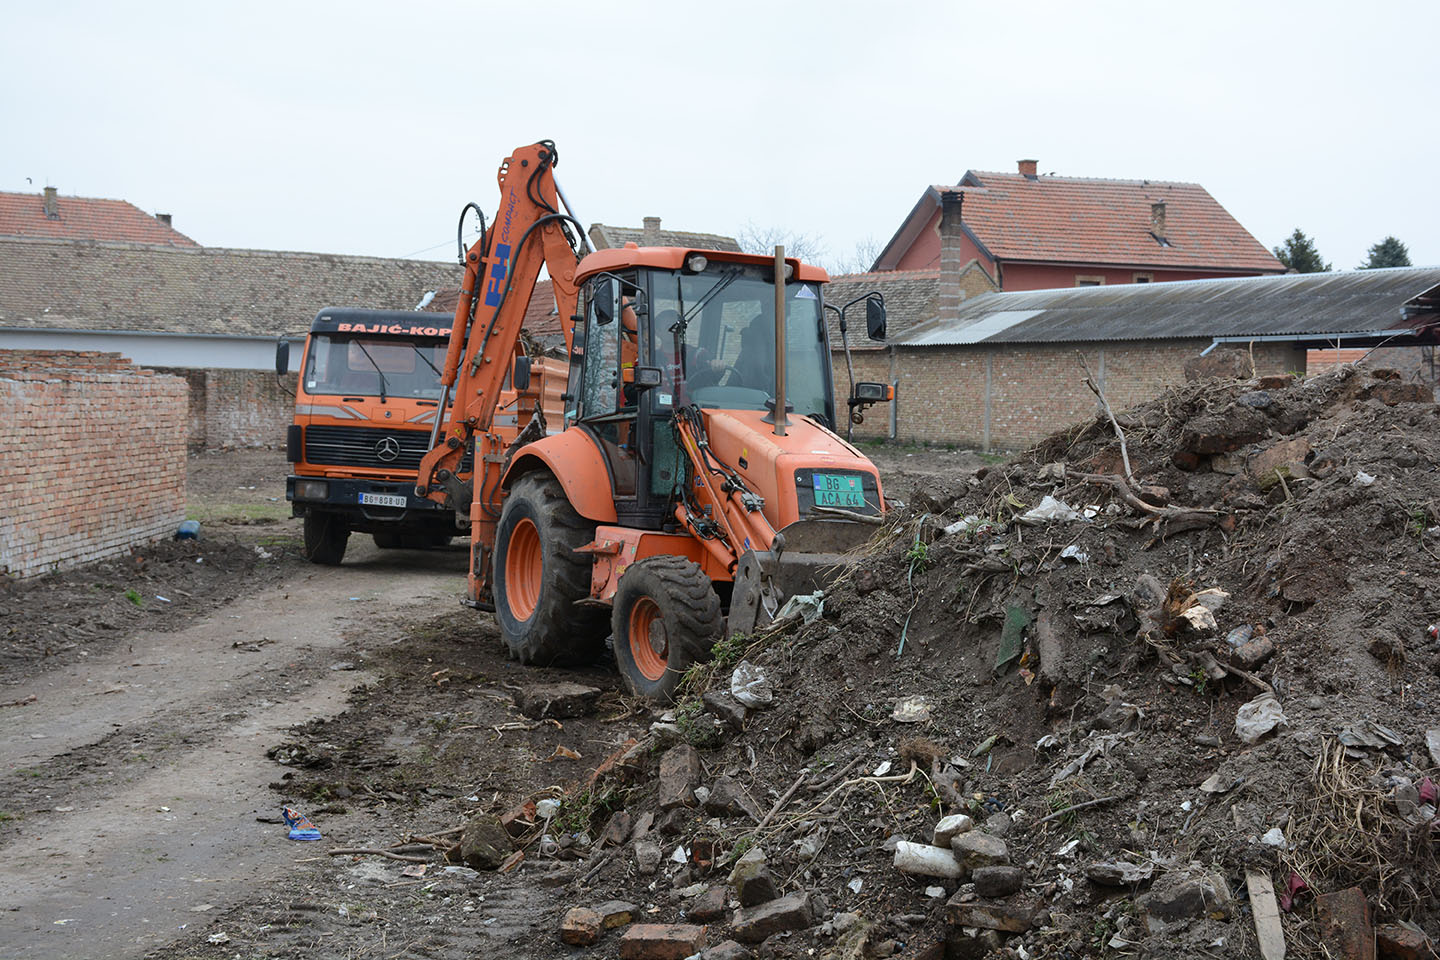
[837,490]
[382,500]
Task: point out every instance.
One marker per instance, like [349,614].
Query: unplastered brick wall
[1010,397]
[94,458]
[237,408]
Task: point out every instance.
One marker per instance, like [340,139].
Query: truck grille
[366,447]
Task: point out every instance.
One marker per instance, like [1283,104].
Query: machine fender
[579,466]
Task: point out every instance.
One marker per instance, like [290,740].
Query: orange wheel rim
[649,644]
[524,569]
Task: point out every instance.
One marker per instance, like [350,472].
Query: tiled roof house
[1031,232]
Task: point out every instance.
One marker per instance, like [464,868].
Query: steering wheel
[713,376]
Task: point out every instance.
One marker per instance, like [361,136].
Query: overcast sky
[362,128]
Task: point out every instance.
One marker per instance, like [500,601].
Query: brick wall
[1009,397]
[237,408]
[94,458]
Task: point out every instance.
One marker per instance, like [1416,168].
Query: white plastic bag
[750,686]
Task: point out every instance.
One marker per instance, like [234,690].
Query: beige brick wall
[94,458]
[1033,391]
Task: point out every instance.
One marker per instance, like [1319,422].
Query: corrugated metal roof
[1310,305]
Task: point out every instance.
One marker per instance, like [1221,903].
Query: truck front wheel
[666,618]
[539,576]
[325,537]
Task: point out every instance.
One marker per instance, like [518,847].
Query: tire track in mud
[150,794]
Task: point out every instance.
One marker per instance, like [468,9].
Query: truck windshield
[726,342]
[337,364]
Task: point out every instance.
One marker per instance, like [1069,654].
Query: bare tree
[803,246]
[861,259]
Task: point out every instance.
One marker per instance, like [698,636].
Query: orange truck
[696,481]
[365,411]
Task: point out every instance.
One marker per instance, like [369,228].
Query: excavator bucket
[806,556]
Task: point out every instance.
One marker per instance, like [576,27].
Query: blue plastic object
[189,530]
[300,826]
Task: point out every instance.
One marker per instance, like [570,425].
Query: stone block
[679,776]
[997,881]
[484,845]
[974,850]
[790,912]
[560,700]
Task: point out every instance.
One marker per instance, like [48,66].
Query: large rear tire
[539,576]
[325,537]
[666,618]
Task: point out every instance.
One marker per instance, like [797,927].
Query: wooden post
[780,341]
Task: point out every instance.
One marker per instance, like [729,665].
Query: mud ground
[159,708]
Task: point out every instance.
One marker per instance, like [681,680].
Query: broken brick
[1345,924]
[581,927]
[1394,942]
[661,941]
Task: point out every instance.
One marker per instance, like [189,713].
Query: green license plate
[837,490]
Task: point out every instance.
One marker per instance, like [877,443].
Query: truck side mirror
[605,298]
[282,357]
[520,380]
[875,318]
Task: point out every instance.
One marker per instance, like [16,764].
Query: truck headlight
[311,489]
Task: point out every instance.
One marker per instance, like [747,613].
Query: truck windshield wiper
[383,384]
[425,358]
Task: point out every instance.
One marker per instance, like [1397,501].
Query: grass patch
[242,512]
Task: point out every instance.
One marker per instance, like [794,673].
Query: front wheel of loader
[666,617]
[539,576]
[325,538]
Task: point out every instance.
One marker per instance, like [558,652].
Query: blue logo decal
[497,275]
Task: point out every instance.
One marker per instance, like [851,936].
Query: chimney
[951,235]
[1027,169]
[51,204]
[1157,221]
[651,237]
[163,218]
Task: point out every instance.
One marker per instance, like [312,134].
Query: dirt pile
[1136,701]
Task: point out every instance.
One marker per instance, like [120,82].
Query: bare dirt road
[133,780]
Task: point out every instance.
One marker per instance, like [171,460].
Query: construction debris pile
[1161,687]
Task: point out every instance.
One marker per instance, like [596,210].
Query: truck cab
[365,408]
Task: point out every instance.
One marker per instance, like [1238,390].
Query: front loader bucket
[807,556]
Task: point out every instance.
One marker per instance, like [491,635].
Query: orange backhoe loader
[696,481]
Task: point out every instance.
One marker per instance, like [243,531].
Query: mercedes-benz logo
[387,450]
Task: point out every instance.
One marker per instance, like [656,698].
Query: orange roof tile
[1085,220]
[84,218]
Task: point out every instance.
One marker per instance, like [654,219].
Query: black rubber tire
[390,539]
[557,632]
[689,614]
[325,538]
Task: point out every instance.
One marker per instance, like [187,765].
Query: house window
[1081,280]
[1144,278]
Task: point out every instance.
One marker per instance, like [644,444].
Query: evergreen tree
[1387,253]
[1299,254]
